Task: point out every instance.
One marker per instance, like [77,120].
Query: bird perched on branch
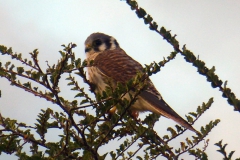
[112,62]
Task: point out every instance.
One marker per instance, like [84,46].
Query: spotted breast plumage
[112,63]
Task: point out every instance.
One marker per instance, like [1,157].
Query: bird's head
[98,42]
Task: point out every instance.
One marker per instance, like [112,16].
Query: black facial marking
[108,44]
[116,43]
[97,42]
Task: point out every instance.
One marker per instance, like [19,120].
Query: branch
[28,138]
[188,55]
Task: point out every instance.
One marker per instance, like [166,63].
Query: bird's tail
[159,106]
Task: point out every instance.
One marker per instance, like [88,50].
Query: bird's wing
[161,107]
[117,65]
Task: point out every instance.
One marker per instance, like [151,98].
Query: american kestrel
[112,62]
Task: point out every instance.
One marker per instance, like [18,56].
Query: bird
[111,62]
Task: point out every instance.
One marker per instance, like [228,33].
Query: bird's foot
[112,111]
[135,115]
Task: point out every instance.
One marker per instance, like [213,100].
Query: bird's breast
[97,78]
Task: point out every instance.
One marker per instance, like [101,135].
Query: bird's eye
[97,42]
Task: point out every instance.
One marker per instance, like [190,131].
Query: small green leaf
[7,64]
[11,68]
[79,95]
[70,83]
[182,146]
[84,101]
[20,70]
[28,72]
[27,85]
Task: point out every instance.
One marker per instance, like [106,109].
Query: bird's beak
[88,47]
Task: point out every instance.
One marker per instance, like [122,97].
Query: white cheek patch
[113,45]
[102,47]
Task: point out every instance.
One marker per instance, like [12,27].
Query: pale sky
[209,29]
